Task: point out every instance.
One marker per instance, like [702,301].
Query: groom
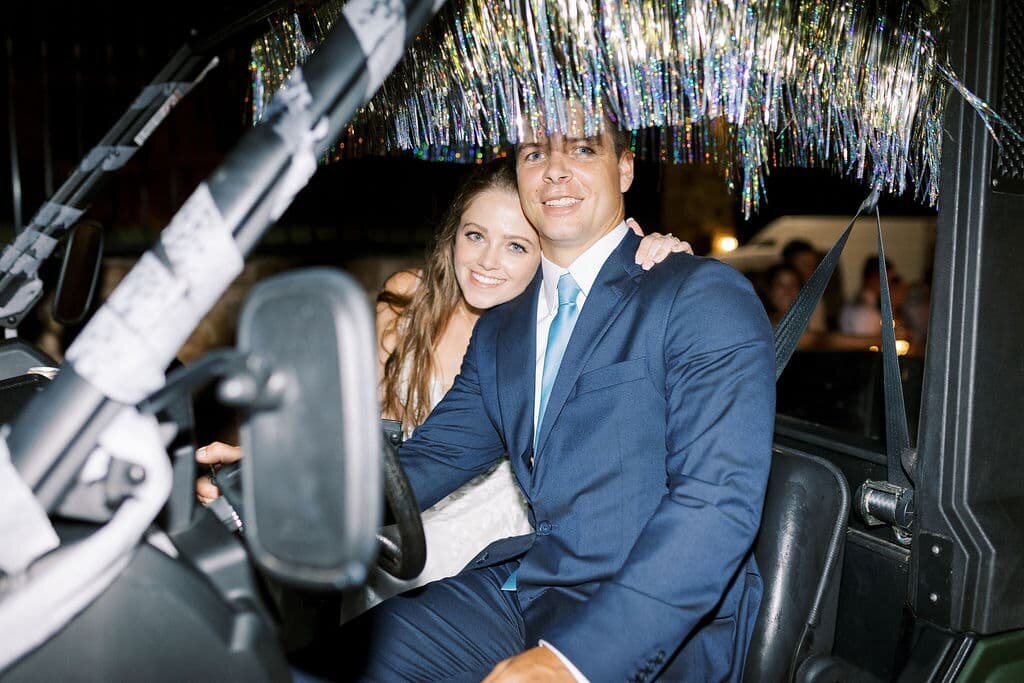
[637,409]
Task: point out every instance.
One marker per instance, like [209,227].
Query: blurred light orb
[725,244]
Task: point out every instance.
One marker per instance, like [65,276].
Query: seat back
[798,551]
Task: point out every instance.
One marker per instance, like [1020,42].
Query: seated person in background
[804,259]
[484,254]
[782,285]
[863,317]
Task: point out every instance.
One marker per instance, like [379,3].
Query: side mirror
[312,470]
[79,274]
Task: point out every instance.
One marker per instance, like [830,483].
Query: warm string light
[854,87]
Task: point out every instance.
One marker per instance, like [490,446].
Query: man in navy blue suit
[637,409]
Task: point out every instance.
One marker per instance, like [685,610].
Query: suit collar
[516,363]
[584,269]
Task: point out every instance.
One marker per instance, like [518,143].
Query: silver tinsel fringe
[853,86]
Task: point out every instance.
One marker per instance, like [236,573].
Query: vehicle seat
[799,552]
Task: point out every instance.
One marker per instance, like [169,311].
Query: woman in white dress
[484,254]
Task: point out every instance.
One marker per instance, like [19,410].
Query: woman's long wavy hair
[422,316]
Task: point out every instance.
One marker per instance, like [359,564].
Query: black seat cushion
[798,551]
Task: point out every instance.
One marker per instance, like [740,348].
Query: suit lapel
[613,287]
[516,367]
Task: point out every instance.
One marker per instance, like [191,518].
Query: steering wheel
[402,546]
[403,552]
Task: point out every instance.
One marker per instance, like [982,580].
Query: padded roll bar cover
[312,471]
[798,551]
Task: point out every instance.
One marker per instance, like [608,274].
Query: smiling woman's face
[496,250]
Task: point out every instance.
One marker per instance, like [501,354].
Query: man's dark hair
[621,137]
[794,248]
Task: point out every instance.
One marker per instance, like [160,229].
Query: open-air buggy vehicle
[879,563]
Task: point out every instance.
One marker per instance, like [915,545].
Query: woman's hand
[214,455]
[655,248]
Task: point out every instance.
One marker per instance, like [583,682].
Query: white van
[909,245]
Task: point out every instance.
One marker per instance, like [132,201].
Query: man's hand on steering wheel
[214,454]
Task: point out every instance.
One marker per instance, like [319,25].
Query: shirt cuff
[580,678]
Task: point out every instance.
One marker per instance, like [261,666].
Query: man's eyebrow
[593,140]
[589,139]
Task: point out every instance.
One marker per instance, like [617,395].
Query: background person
[862,317]
[804,259]
[782,286]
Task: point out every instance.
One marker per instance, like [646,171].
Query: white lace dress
[489,507]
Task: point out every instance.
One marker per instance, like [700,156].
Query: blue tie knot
[567,290]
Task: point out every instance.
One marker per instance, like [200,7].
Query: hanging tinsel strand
[854,86]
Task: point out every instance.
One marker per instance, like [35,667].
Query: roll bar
[120,356]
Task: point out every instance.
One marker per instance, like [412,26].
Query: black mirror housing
[312,471]
[79,274]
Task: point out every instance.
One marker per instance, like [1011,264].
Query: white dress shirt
[584,271]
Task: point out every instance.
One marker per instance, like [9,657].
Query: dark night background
[69,71]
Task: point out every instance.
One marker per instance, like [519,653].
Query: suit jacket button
[544,528]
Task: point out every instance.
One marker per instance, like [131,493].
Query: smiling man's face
[571,190]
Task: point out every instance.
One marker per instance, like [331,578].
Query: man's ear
[625,171]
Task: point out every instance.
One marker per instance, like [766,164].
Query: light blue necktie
[558,339]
